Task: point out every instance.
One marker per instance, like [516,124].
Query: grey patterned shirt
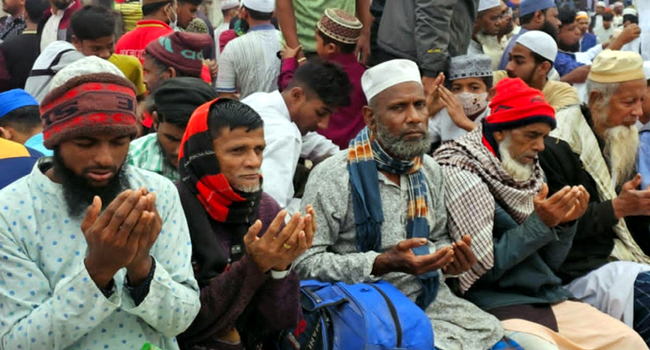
[457,323]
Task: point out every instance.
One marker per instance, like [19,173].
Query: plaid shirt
[146,153]
[10,27]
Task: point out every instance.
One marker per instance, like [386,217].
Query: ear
[76,42]
[491,94]
[331,49]
[545,68]
[499,135]
[370,118]
[297,95]
[539,17]
[6,133]
[170,72]
[594,97]
[154,117]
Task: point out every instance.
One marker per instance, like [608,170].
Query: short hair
[567,16]
[608,16]
[632,18]
[345,48]
[193,2]
[23,119]
[92,22]
[607,90]
[527,18]
[327,80]
[149,9]
[161,66]
[259,16]
[36,8]
[227,113]
[539,59]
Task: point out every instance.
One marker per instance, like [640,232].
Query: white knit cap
[389,74]
[488,4]
[229,4]
[266,6]
[84,66]
[539,43]
[646,69]
[601,4]
[630,11]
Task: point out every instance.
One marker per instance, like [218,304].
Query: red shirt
[134,42]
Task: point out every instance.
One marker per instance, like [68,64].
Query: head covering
[530,6]
[616,67]
[13,99]
[182,51]
[147,2]
[389,74]
[539,43]
[182,95]
[83,66]
[646,70]
[88,104]
[488,4]
[630,11]
[198,26]
[204,188]
[515,105]
[340,26]
[229,4]
[470,66]
[582,15]
[601,4]
[265,6]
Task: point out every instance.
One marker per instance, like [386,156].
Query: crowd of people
[166,182]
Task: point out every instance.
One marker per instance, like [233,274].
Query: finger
[303,243]
[296,224]
[467,254]
[253,231]
[130,222]
[411,243]
[543,193]
[274,228]
[437,260]
[558,195]
[309,227]
[137,240]
[634,183]
[467,239]
[144,222]
[106,216]
[91,214]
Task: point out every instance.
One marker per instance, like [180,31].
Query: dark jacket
[525,258]
[428,32]
[243,297]
[17,56]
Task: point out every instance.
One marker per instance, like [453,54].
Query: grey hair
[607,90]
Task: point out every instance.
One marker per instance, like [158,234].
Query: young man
[241,252]
[492,176]
[56,21]
[337,34]
[109,238]
[605,31]
[173,104]
[20,120]
[186,11]
[14,22]
[18,53]
[365,231]
[588,40]
[290,117]
[250,63]
[229,10]
[158,15]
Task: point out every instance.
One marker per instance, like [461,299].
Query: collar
[152,23]
[266,26]
[52,9]
[343,58]
[276,102]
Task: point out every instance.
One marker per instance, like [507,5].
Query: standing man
[56,21]
[14,22]
[588,40]
[230,10]
[103,256]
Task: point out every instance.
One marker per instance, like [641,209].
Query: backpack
[373,316]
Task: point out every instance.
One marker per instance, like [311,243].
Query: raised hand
[632,202]
[464,257]
[553,210]
[401,259]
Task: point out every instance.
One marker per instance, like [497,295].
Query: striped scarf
[365,157]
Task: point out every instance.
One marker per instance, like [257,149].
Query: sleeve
[324,193]
[137,77]
[34,315]
[317,147]
[173,299]
[589,55]
[439,233]
[432,21]
[644,159]
[279,302]
[557,251]
[226,78]
[289,67]
[565,64]
[435,135]
[280,161]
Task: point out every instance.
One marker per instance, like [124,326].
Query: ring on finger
[286,246]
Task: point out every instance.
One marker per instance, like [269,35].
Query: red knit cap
[515,104]
[181,50]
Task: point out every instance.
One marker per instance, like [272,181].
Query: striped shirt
[250,63]
[146,153]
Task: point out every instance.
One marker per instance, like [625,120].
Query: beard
[519,171]
[621,145]
[549,29]
[247,188]
[78,193]
[402,149]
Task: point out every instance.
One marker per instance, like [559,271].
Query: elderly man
[531,60]
[487,26]
[493,177]
[381,212]
[95,253]
[247,289]
[595,146]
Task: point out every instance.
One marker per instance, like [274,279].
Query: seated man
[20,120]
[246,289]
[595,146]
[290,119]
[382,201]
[492,176]
[531,60]
[173,104]
[95,253]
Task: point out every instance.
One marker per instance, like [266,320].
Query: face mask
[173,23]
[472,103]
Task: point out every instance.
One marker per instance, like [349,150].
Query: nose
[104,156]
[414,116]
[638,109]
[105,54]
[253,160]
[324,122]
[538,145]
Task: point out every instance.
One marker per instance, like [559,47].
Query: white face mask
[173,23]
[473,103]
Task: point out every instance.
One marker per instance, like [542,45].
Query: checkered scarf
[365,157]
[474,181]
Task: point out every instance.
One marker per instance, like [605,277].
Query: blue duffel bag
[372,316]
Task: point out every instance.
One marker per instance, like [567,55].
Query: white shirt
[217,33]
[442,128]
[51,29]
[284,145]
[250,63]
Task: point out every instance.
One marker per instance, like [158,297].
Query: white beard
[621,145]
[520,172]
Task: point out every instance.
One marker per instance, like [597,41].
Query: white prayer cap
[539,43]
[601,4]
[229,4]
[646,69]
[84,66]
[630,11]
[266,6]
[389,74]
[488,4]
